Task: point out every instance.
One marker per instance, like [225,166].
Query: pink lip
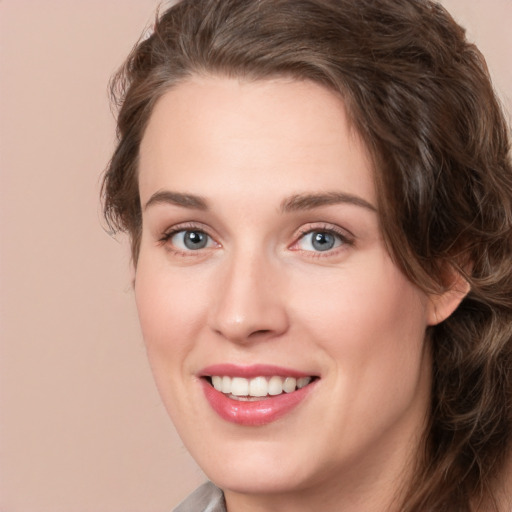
[249,372]
[254,413]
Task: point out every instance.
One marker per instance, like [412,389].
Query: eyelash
[347,240]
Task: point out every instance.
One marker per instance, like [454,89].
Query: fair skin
[261,245]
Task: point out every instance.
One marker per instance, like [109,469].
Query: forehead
[260,134]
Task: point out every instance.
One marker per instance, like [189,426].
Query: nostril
[260,332]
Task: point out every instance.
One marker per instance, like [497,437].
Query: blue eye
[319,241]
[190,240]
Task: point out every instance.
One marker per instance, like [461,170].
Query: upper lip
[251,371]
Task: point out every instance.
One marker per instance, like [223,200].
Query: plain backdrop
[82,428]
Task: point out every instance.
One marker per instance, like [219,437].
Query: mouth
[256,395]
[257,388]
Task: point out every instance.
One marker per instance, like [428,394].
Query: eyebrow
[178,199]
[293,203]
[311,201]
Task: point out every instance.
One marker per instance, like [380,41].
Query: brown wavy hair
[420,96]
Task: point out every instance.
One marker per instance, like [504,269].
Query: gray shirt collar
[207,498]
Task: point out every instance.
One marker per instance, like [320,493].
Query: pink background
[82,428]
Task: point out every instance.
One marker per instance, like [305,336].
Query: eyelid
[182,226]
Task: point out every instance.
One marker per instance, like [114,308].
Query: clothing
[207,498]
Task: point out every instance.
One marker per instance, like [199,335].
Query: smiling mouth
[257,388]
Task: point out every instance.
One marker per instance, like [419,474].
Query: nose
[250,305]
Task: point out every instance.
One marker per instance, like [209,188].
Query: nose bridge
[248,305]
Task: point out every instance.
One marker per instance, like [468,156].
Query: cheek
[170,307]
[369,320]
[370,327]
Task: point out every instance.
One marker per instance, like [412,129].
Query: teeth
[275,386]
[289,384]
[303,381]
[226,385]
[217,382]
[239,386]
[258,386]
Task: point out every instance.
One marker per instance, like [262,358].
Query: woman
[318,194]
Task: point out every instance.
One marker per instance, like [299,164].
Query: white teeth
[239,386]
[217,382]
[289,385]
[258,386]
[226,384]
[303,381]
[275,386]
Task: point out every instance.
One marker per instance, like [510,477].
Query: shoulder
[207,498]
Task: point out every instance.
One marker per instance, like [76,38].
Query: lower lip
[255,413]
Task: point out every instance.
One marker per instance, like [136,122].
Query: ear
[442,305]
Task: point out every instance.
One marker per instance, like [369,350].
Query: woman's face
[262,267]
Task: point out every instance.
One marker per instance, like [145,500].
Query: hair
[420,96]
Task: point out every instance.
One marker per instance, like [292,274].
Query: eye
[320,240]
[190,240]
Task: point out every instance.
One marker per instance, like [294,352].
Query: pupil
[195,240]
[323,241]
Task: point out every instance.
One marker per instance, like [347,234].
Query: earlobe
[442,305]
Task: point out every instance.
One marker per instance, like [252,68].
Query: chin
[259,480]
[257,469]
